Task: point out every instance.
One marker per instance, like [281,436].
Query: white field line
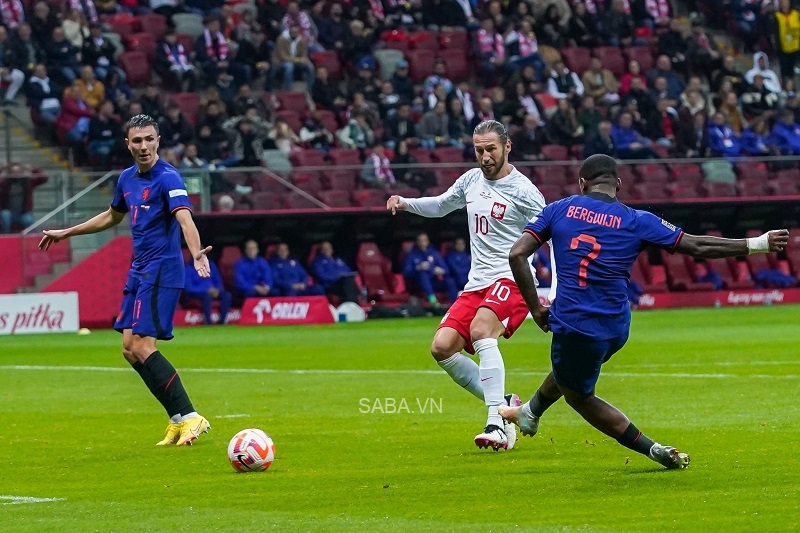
[715,363]
[346,371]
[17,500]
[238,415]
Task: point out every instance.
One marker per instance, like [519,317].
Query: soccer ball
[251,450]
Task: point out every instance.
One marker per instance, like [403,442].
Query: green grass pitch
[721,384]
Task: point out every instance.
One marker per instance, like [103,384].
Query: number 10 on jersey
[481,224]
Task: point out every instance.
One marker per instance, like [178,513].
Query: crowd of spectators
[396,79]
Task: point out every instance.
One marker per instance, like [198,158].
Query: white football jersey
[497,212]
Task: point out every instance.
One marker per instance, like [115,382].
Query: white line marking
[234,416]
[16,500]
[716,363]
[348,371]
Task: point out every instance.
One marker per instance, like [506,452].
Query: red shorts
[502,297]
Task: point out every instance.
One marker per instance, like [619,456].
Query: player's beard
[491,172]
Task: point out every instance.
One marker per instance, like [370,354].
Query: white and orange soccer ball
[251,450]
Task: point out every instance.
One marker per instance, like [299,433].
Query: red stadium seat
[421,63]
[683,190]
[136,67]
[576,59]
[714,189]
[188,43]
[679,276]
[228,258]
[651,191]
[376,274]
[751,187]
[123,29]
[555,152]
[435,191]
[189,104]
[345,157]
[422,155]
[370,198]
[406,192]
[154,24]
[292,118]
[292,101]
[455,60]
[653,279]
[551,193]
[423,40]
[653,172]
[454,39]
[335,198]
[308,181]
[297,200]
[308,158]
[641,54]
[400,46]
[330,60]
[343,179]
[550,175]
[448,154]
[686,172]
[728,275]
[328,119]
[265,201]
[265,183]
[612,59]
[783,186]
[751,170]
[445,177]
[144,42]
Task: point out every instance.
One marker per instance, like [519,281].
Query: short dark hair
[599,167]
[492,126]
[140,121]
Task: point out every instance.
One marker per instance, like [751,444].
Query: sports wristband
[758,245]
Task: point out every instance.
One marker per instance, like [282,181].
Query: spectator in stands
[434,128]
[616,25]
[90,90]
[733,113]
[16,196]
[628,142]
[213,54]
[118,91]
[256,54]
[722,140]
[291,279]
[8,73]
[270,16]
[388,100]
[664,123]
[73,121]
[401,128]
[771,277]
[334,274]
[425,270]
[490,50]
[457,125]
[458,261]
[756,139]
[26,51]
[654,14]
[704,55]
[528,140]
[253,275]
[175,130]
[43,95]
[315,134]
[437,14]
[246,26]
[673,45]
[284,138]
[62,57]
[248,133]
[416,178]
[292,53]
[226,89]
[746,16]
[76,28]
[588,116]
[563,127]
[326,93]
[369,109]
[43,22]
[600,83]
[786,134]
[582,27]
[245,99]
[761,68]
[358,44]
[98,52]
[692,102]
[564,83]
[12,14]
[377,170]
[191,160]
[634,71]
[86,8]
[758,100]
[485,112]
[304,23]
[207,290]
[172,64]
[333,29]
[660,91]
[526,104]
[438,78]
[730,72]
[464,94]
[364,82]
[522,48]
[356,133]
[786,37]
[403,85]
[663,69]
[105,135]
[551,28]
[151,100]
[692,137]
[131,110]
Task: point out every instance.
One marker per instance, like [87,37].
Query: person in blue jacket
[786,134]
[291,279]
[458,260]
[334,274]
[207,290]
[722,140]
[425,269]
[630,144]
[252,273]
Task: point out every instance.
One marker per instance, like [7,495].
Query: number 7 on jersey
[588,239]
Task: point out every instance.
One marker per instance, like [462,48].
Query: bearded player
[499,201]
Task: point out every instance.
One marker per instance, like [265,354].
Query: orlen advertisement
[46,312]
[288,310]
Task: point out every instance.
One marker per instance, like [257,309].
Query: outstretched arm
[716,247]
[192,237]
[96,224]
[519,259]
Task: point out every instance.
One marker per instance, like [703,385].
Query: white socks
[492,378]
[464,371]
[177,419]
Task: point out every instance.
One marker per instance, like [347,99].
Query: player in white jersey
[499,201]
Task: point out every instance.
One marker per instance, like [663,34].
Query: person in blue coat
[629,143]
[291,279]
[458,260]
[207,290]
[722,140]
[334,274]
[425,269]
[252,273]
[786,134]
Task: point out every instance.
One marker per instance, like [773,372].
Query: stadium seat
[387,61]
[376,274]
[686,172]
[265,183]
[335,198]
[307,158]
[308,181]
[154,24]
[728,275]
[783,186]
[406,192]
[445,177]
[228,258]
[423,40]
[292,118]
[653,172]
[641,54]
[572,189]
[420,64]
[328,119]
[650,191]
[345,180]
[626,174]
[714,189]
[793,252]
[751,187]
[435,191]
[422,155]
[292,101]
[550,175]
[453,39]
[679,277]
[555,152]
[751,170]
[448,154]
[551,193]
[650,279]
[144,42]
[296,200]
[188,23]
[265,201]
[188,43]
[576,59]
[189,104]
[123,29]
[345,157]
[136,67]
[682,190]
[370,198]
[400,46]
[612,59]
[330,60]
[455,60]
